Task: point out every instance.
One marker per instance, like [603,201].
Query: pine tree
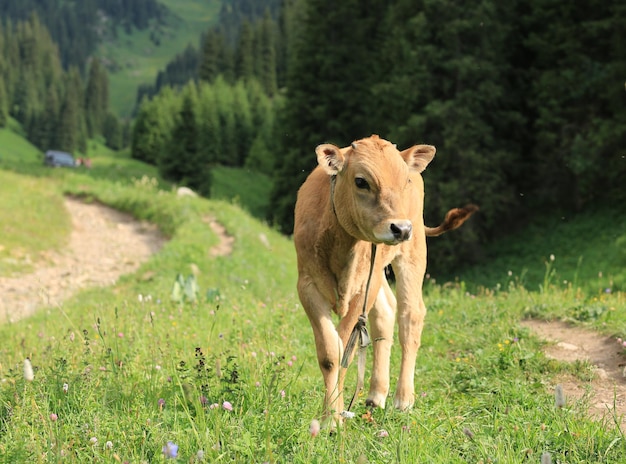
[210,133]
[226,112]
[182,162]
[153,126]
[96,98]
[262,155]
[267,71]
[211,64]
[244,130]
[69,130]
[244,61]
[577,96]
[47,137]
[112,132]
[329,84]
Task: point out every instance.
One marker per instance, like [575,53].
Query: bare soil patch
[225,245]
[104,244]
[569,344]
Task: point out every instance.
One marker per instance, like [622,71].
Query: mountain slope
[136,58]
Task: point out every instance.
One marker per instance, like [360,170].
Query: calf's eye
[361,183]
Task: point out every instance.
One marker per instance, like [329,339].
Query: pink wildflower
[314,428]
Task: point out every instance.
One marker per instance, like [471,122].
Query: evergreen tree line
[247,43]
[524,100]
[234,13]
[186,132]
[77,26]
[58,109]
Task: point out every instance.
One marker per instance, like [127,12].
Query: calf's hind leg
[411,314]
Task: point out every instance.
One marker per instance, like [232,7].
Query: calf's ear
[418,156]
[330,158]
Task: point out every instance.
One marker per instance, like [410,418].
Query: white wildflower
[347,414]
[29,375]
[559,397]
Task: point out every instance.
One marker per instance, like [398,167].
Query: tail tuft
[453,220]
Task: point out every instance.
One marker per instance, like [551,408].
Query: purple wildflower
[170,450]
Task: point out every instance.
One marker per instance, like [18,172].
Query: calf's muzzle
[401,230]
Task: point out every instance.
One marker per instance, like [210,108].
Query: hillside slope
[137,57]
[586,250]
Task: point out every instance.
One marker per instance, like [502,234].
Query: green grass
[27,203]
[139,59]
[129,366]
[15,148]
[246,188]
[588,251]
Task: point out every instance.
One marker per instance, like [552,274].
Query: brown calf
[358,195]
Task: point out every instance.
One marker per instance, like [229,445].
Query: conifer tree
[47,137]
[329,91]
[243,123]
[244,60]
[210,133]
[153,126]
[69,126]
[225,107]
[96,98]
[112,132]
[267,71]
[182,161]
[217,58]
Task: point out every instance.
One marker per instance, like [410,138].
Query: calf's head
[375,187]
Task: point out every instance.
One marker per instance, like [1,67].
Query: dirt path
[104,244]
[570,344]
[225,245]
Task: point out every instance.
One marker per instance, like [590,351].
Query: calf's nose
[401,230]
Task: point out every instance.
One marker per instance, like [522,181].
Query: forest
[525,101]
[56,106]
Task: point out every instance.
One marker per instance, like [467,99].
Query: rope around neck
[360,332]
[360,328]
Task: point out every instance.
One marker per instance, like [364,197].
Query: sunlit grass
[120,372]
[249,189]
[27,204]
[234,376]
[586,251]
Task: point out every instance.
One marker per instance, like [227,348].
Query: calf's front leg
[329,349]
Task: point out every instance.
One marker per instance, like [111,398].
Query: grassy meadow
[137,59]
[225,370]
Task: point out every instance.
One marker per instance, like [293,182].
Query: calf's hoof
[403,403]
[331,423]
[376,400]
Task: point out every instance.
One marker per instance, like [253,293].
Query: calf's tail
[453,220]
